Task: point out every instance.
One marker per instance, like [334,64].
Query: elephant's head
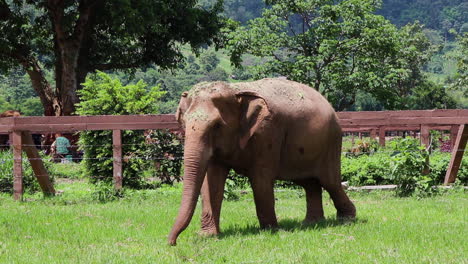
[217,119]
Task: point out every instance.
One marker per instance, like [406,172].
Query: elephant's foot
[309,220]
[347,213]
[271,224]
[208,233]
[209,227]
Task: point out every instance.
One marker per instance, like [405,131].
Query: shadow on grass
[288,225]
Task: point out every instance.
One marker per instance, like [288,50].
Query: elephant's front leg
[262,181]
[212,196]
[313,191]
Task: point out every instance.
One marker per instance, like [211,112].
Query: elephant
[267,130]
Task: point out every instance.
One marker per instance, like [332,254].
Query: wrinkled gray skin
[268,129]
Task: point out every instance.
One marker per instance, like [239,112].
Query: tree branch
[55,8]
[114,66]
[82,25]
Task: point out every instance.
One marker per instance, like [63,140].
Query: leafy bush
[165,149]
[439,162]
[401,163]
[102,95]
[366,170]
[30,183]
[408,164]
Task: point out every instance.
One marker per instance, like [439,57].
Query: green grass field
[74,228]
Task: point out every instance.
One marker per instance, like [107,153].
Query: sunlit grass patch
[75,228]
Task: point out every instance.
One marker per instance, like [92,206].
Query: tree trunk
[68,85]
[46,93]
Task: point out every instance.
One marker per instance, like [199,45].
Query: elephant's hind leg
[345,208]
[212,197]
[313,191]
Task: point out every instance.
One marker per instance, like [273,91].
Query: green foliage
[17,93]
[408,164]
[339,48]
[4,105]
[98,35]
[442,15]
[372,169]
[401,163]
[217,74]
[165,149]
[239,10]
[30,183]
[439,162]
[105,192]
[209,60]
[459,82]
[230,188]
[102,95]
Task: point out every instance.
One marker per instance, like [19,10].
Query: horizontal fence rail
[375,123]
[350,121]
[83,123]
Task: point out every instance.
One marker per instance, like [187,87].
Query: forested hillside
[441,15]
[436,76]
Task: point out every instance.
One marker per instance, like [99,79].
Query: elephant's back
[294,100]
[311,129]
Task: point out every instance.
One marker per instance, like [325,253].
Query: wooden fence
[376,123]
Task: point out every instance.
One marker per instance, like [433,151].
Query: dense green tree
[78,37]
[458,83]
[209,60]
[239,10]
[4,105]
[432,13]
[461,78]
[337,47]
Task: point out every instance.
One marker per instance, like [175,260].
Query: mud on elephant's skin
[268,129]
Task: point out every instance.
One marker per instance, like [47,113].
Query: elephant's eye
[217,125]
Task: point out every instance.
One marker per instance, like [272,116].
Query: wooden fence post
[373,134]
[457,155]
[17,165]
[382,136]
[425,136]
[117,158]
[37,165]
[453,136]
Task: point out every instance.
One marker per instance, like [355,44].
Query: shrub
[102,95]
[30,183]
[439,162]
[407,166]
[366,169]
[165,149]
[401,163]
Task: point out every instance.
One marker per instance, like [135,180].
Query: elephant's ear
[254,110]
[183,105]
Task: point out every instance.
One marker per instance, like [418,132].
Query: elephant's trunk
[196,158]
